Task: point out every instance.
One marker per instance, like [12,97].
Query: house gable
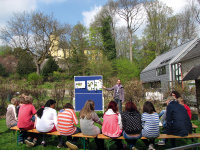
[155,70]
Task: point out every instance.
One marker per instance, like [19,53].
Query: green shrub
[3,72]
[125,69]
[103,68]
[14,76]
[35,79]
[58,76]
[134,91]
[49,67]
[25,65]
[58,93]
[7,90]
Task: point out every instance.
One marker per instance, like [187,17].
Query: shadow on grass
[7,131]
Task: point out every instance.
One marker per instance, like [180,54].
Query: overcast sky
[66,11]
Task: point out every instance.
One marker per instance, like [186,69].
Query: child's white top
[47,121]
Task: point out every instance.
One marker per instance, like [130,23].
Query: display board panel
[88,88]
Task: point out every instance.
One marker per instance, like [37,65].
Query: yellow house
[55,50]
[93,55]
[59,53]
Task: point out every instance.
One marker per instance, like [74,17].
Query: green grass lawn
[8,141]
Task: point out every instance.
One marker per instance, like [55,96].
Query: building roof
[170,56]
[193,51]
[193,74]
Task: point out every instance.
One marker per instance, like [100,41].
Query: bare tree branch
[31,32]
[131,12]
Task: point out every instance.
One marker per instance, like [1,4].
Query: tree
[160,32]
[5,50]
[131,12]
[79,39]
[187,23]
[79,42]
[49,67]
[197,10]
[95,38]
[31,32]
[121,42]
[145,56]
[108,40]
[102,34]
[25,63]
[165,30]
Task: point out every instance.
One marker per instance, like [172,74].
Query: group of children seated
[130,123]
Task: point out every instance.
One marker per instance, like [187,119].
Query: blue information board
[85,93]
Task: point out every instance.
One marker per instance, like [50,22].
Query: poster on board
[79,84]
[98,84]
[90,85]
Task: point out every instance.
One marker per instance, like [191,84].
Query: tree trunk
[38,68]
[130,45]
[197,83]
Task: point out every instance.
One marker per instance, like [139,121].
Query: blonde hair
[22,98]
[181,100]
[87,110]
[28,100]
[170,98]
[14,101]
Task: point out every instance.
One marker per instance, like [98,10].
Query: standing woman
[132,124]
[46,120]
[150,123]
[87,119]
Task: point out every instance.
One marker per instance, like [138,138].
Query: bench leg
[18,132]
[110,142]
[12,135]
[88,141]
[83,143]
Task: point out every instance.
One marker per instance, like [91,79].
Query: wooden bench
[35,131]
[162,136]
[194,127]
[84,138]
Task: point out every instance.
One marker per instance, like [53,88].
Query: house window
[88,52]
[176,72]
[154,85]
[161,71]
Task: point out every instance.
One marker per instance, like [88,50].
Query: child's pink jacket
[111,124]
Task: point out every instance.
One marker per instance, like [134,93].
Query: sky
[66,11]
